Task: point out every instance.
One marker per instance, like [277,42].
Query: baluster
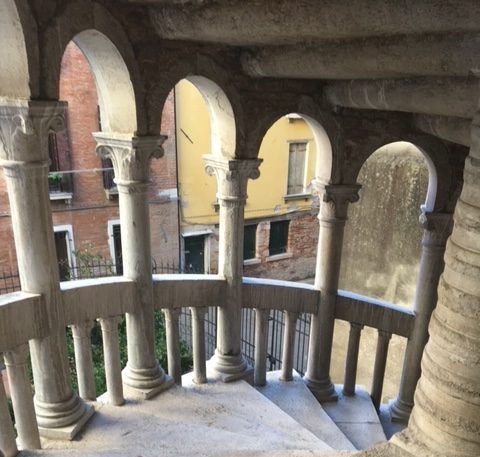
[173,344]
[198,336]
[22,398]
[7,433]
[111,355]
[288,346]
[379,369]
[83,360]
[261,341]
[352,359]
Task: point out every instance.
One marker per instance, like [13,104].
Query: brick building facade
[84,201]
[83,196]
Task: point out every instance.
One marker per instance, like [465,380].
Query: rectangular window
[278,243]
[249,241]
[117,249]
[58,153]
[296,168]
[64,247]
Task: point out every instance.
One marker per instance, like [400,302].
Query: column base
[323,391]
[229,368]
[399,410]
[145,383]
[68,432]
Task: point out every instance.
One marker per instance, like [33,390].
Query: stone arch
[261,116]
[435,155]
[218,91]
[222,119]
[110,55]
[114,88]
[18,52]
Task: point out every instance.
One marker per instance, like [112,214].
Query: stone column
[24,129]
[332,216]
[84,360]
[232,177]
[438,227]
[445,420]
[22,398]
[111,355]
[8,445]
[131,162]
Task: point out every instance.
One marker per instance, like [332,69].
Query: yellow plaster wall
[265,195]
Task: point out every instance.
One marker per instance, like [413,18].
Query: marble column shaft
[232,177]
[332,216]
[438,227]
[131,162]
[24,130]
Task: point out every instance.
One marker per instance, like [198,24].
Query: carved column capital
[232,177]
[24,129]
[130,157]
[438,227]
[334,199]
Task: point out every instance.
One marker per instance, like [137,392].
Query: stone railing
[22,317]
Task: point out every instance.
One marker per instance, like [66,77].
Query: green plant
[97,352]
[55,177]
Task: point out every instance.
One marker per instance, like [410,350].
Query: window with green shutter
[278,243]
[249,241]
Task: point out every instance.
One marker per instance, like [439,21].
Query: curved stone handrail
[374,313]
[90,299]
[22,317]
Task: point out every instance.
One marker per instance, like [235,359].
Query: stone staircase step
[296,400]
[207,420]
[356,417]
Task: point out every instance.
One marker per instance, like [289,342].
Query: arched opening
[382,248]
[205,124]
[383,235]
[116,96]
[222,119]
[14,85]
[295,151]
[14,73]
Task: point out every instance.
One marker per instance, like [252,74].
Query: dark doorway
[117,249]
[61,246]
[195,254]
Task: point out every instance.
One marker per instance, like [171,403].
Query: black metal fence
[276,330]
[94,268]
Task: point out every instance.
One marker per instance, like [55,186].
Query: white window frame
[111,244]
[305,165]
[72,260]
[207,234]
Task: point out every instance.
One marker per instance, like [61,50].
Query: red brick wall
[90,210]
[302,250]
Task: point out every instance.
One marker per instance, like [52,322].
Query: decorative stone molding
[438,227]
[335,198]
[24,130]
[130,156]
[232,177]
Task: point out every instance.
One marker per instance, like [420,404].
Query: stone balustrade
[108,299]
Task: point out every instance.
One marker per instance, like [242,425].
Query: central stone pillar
[232,177]
[24,130]
[445,421]
[131,162]
[332,216]
[438,227]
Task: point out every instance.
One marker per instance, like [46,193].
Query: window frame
[284,249]
[303,184]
